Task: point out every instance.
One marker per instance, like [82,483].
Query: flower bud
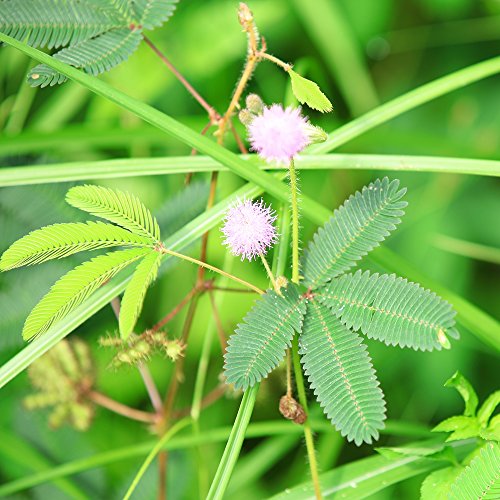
[246,117]
[245,15]
[316,134]
[254,104]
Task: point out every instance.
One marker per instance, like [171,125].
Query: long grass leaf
[138,167]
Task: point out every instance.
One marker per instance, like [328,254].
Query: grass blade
[152,454]
[233,446]
[405,102]
[365,477]
[256,430]
[135,167]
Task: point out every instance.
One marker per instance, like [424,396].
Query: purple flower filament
[249,229]
[279,134]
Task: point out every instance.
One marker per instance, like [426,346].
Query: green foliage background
[361,53]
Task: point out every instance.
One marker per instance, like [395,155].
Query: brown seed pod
[291,409]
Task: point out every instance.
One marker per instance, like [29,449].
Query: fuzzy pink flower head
[279,134]
[249,229]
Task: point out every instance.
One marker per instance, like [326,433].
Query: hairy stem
[295,222]
[204,240]
[179,366]
[299,378]
[311,452]
[246,20]
[264,55]
[229,289]
[288,373]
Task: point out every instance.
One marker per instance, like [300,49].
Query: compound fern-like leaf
[339,370]
[120,208]
[76,286]
[133,298]
[61,240]
[480,479]
[391,309]
[56,23]
[259,343]
[151,13]
[94,56]
[357,227]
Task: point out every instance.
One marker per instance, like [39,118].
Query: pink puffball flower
[249,229]
[278,134]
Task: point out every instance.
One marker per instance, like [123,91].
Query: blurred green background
[361,53]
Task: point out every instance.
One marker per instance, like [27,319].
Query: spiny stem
[311,452]
[288,373]
[246,20]
[121,409]
[295,222]
[212,268]
[270,274]
[299,378]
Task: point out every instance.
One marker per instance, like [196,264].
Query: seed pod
[174,349]
[245,117]
[291,409]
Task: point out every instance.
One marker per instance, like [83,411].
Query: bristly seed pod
[291,409]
